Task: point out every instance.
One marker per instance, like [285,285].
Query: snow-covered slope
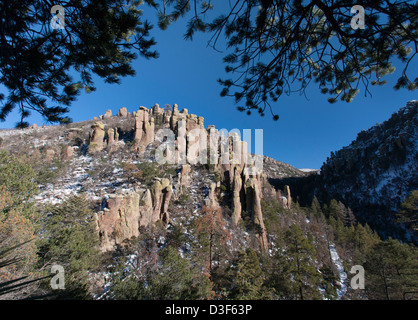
[377,171]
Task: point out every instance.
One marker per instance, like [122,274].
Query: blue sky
[186,73]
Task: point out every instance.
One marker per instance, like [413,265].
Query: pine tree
[316,208]
[38,62]
[391,270]
[18,178]
[409,212]
[212,233]
[70,239]
[17,248]
[176,279]
[248,278]
[277,47]
[300,253]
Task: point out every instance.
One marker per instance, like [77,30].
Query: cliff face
[377,171]
[115,161]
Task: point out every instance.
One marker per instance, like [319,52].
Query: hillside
[377,171]
[154,205]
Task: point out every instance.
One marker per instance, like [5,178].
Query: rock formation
[193,145]
[288,196]
[124,214]
[123,112]
[96,141]
[161,192]
[50,155]
[211,201]
[253,205]
[108,114]
[184,175]
[144,127]
[236,196]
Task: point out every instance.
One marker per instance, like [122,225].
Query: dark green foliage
[49,172]
[18,178]
[172,279]
[9,257]
[300,252]
[37,64]
[391,270]
[183,199]
[176,237]
[70,239]
[280,47]
[248,278]
[409,212]
[149,170]
[271,211]
[361,175]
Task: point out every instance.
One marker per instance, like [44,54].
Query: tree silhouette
[38,59]
[280,47]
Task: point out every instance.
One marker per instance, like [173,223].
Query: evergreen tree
[212,234]
[17,248]
[38,59]
[278,274]
[409,212]
[18,178]
[248,278]
[70,239]
[316,208]
[300,253]
[391,270]
[175,279]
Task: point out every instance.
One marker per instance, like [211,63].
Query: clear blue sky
[186,73]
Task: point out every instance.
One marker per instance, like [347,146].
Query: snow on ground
[343,276]
[308,170]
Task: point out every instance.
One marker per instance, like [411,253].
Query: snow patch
[340,268]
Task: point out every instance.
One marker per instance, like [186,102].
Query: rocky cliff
[136,166]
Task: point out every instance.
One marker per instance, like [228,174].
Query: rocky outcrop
[144,127]
[193,145]
[50,155]
[122,217]
[161,192]
[96,140]
[253,205]
[288,197]
[236,196]
[184,175]
[124,214]
[211,201]
[123,112]
[108,114]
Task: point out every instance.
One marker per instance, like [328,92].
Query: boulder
[96,141]
[123,112]
[108,114]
